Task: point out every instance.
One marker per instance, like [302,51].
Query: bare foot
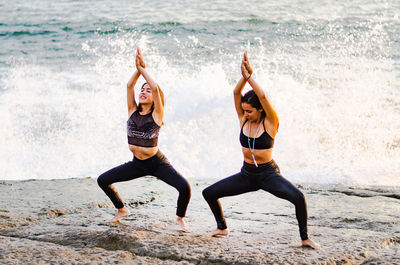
[183,225]
[123,212]
[311,244]
[220,232]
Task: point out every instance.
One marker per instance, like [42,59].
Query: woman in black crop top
[259,125]
[143,126]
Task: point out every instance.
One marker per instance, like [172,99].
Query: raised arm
[132,106]
[158,113]
[271,116]
[237,97]
[237,92]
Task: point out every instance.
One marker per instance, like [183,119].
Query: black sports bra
[142,130]
[265,141]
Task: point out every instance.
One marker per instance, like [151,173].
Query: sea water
[330,68]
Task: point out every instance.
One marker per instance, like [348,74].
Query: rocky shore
[65,222]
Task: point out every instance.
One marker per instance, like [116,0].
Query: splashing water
[334,83]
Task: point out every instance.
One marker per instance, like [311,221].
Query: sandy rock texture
[65,222]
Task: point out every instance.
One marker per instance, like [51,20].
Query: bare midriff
[262,156]
[143,153]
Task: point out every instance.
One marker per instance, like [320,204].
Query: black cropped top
[265,141]
[142,130]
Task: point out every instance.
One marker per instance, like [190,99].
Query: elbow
[236,93]
[154,87]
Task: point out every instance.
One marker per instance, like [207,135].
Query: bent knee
[299,198]
[208,194]
[185,189]
[101,181]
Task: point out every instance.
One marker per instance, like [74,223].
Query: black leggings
[267,177]
[157,166]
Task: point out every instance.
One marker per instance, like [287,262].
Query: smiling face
[251,113]
[145,95]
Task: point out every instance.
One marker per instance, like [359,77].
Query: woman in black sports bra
[143,127]
[259,125]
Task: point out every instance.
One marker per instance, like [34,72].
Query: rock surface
[65,222]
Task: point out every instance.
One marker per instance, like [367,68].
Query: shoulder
[243,121]
[132,108]
[130,113]
[271,128]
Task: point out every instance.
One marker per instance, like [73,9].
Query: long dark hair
[139,108]
[251,98]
